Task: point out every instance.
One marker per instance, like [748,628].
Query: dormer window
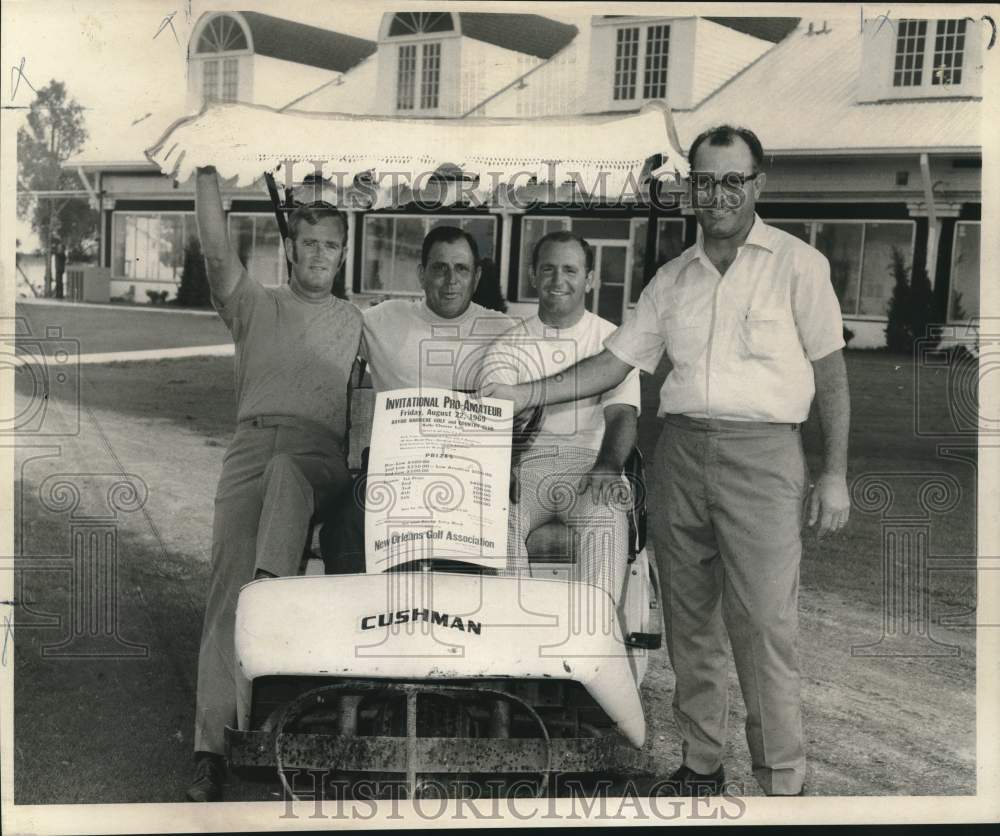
[418,63]
[219,46]
[919,58]
[641,54]
[918,66]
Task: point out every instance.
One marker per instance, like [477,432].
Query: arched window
[222,34]
[220,76]
[420,23]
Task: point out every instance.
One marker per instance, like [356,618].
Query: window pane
[170,248]
[241,233]
[230,79]
[841,244]
[910,36]
[877,279]
[406,77]
[533,230]
[430,76]
[268,257]
[392,254]
[123,234]
[410,234]
[408,23]
[612,278]
[378,254]
[210,80]
[799,230]
[626,62]
[949,49]
[963,301]
[655,81]
[481,229]
[150,246]
[222,34]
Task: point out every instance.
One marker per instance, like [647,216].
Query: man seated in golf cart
[437,342]
[569,482]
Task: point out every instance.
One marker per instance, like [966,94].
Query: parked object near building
[874,142]
[88,283]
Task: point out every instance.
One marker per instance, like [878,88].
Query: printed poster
[438,479]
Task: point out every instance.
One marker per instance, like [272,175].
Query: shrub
[909,312]
[194,291]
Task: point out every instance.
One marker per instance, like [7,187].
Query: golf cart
[433,672]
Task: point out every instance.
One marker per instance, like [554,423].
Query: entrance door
[611,268]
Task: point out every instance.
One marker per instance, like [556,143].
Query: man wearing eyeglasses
[752,327]
[295,346]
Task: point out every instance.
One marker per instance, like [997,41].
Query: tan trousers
[726,504]
[274,474]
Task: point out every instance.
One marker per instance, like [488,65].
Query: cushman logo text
[385,619]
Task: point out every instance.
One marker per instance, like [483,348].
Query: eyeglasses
[732,182]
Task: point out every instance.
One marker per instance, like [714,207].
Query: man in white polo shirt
[752,326]
[439,341]
[572,471]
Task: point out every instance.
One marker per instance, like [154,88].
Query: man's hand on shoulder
[829,503]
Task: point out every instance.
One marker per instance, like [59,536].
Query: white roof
[800,97]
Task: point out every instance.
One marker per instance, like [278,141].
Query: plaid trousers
[548,478]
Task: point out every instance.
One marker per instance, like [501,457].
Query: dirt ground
[97,728]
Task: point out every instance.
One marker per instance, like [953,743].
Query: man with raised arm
[752,327]
[295,346]
[572,472]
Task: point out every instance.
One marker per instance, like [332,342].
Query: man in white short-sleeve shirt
[439,341]
[752,327]
[572,471]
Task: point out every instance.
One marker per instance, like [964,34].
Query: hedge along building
[872,133]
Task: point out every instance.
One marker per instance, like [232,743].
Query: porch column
[934,213]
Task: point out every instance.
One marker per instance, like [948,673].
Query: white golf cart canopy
[395,158]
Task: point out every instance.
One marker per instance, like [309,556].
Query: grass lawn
[100,330]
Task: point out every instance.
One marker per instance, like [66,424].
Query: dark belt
[268,421]
[723,425]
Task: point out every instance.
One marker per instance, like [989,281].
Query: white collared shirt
[740,343]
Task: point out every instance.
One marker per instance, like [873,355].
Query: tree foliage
[194,291]
[54,132]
